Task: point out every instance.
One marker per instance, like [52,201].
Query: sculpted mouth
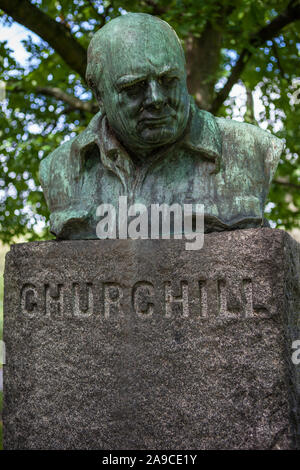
[154,121]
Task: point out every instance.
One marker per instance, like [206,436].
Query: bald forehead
[139,54]
[133,43]
[135,36]
[132,28]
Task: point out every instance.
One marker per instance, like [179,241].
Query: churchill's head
[136,69]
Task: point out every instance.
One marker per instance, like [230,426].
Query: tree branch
[60,95]
[276,54]
[286,183]
[72,101]
[57,35]
[291,14]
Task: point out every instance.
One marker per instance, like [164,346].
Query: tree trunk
[203,59]
[249,114]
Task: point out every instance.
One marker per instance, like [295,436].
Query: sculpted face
[143,86]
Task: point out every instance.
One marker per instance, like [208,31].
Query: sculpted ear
[99,100]
[273,154]
[93,85]
[45,175]
[96,93]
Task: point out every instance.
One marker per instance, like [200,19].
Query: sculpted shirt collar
[202,137]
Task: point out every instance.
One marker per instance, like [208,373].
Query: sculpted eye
[168,80]
[135,88]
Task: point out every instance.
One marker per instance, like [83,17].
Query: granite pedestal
[123,344]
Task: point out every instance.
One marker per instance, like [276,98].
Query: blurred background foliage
[252,44]
[249,45]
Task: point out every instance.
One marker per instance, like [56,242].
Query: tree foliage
[252,42]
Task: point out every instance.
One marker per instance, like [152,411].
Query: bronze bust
[151,143]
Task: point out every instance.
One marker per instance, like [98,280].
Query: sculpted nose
[154,95]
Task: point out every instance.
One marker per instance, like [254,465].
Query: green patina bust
[151,143]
